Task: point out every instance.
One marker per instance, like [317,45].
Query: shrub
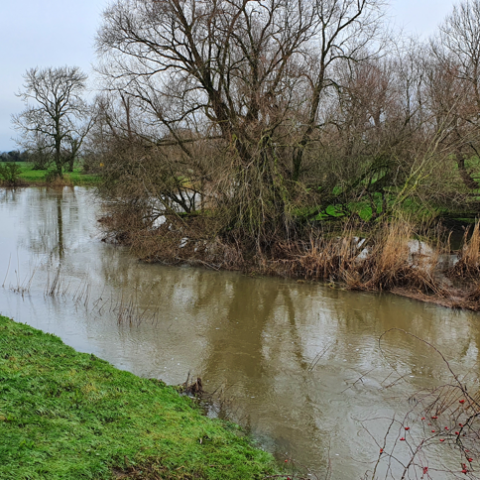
[10,174]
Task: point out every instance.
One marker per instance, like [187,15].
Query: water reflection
[291,354]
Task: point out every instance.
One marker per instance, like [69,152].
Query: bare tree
[460,35]
[345,29]
[239,61]
[457,77]
[252,73]
[55,112]
[74,141]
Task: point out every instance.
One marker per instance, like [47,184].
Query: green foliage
[68,415]
[32,176]
[412,208]
[10,173]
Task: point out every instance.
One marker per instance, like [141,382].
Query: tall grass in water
[467,269]
[468,264]
[381,260]
[327,259]
[393,263]
[128,312]
[22,286]
[389,265]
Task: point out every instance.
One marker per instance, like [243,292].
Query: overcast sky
[61,32]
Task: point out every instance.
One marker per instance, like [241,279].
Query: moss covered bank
[69,415]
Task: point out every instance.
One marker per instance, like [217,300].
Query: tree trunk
[71,161]
[58,155]
[297,162]
[466,177]
[316,94]
[58,164]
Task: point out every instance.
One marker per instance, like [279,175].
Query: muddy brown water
[301,364]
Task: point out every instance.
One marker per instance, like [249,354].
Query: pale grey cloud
[61,32]
[420,17]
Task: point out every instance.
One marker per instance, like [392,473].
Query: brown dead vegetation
[383,259]
[468,265]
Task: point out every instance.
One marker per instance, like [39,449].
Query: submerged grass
[69,415]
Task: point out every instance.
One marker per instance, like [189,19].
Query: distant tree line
[15,156]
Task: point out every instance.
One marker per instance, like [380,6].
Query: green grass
[69,415]
[410,207]
[38,176]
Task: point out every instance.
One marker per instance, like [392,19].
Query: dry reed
[468,265]
[386,258]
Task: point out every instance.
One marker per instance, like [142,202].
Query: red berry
[407,428]
[446,428]
[442,439]
[457,433]
[470,459]
[464,471]
[425,470]
[434,417]
[462,401]
[381,450]
[286,461]
[433,431]
[423,418]
[402,439]
[460,425]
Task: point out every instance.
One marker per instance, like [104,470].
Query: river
[301,364]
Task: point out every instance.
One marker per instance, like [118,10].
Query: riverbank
[37,178]
[389,257]
[69,415]
[28,177]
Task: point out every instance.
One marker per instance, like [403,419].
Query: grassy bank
[77,177]
[30,177]
[69,415]
[38,177]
